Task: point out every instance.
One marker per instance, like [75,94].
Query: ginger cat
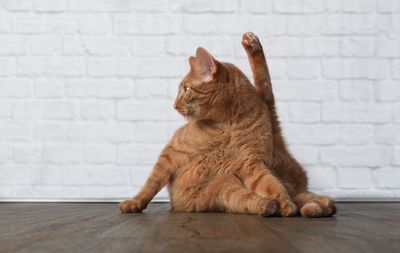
[230,156]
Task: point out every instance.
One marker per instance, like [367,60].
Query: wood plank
[97,227]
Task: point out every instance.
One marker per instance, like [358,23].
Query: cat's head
[209,89]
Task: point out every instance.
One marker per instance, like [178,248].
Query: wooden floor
[52,227]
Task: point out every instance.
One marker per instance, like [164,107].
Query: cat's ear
[205,64]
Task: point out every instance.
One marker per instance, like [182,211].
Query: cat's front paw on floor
[131,206]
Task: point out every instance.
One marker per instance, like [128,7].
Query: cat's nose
[175,106]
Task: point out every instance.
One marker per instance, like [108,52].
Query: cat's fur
[230,156]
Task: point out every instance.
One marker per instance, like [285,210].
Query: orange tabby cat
[230,156]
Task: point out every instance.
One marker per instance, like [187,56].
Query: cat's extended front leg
[158,178]
[262,182]
[259,67]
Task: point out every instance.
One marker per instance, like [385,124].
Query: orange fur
[230,156]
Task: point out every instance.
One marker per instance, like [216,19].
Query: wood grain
[96,227]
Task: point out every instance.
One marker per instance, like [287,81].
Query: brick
[50,5]
[101,5]
[147,24]
[346,178]
[14,44]
[355,90]
[310,90]
[8,66]
[358,6]
[97,110]
[62,153]
[368,156]
[5,24]
[15,132]
[46,45]
[303,69]
[95,175]
[59,110]
[288,6]
[19,175]
[307,25]
[16,5]
[388,91]
[5,109]
[27,154]
[97,24]
[258,6]
[388,6]
[356,112]
[357,46]
[396,69]
[35,24]
[148,45]
[102,67]
[51,175]
[150,110]
[396,158]
[49,88]
[150,88]
[388,47]
[305,112]
[154,67]
[321,177]
[15,88]
[317,46]
[352,134]
[87,132]
[387,177]
[50,66]
[49,132]
[387,134]
[187,45]
[100,88]
[200,24]
[138,153]
[198,6]
[265,25]
[307,155]
[99,153]
[27,110]
[97,45]
[285,47]
[121,132]
[355,68]
[312,134]
[396,112]
[6,153]
[151,5]
[151,132]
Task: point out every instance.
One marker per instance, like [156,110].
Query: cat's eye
[186,89]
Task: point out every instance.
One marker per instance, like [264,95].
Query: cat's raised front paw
[251,43]
[131,206]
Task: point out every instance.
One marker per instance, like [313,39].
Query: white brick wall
[86,88]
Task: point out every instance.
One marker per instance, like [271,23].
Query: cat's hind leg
[312,205]
[227,193]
